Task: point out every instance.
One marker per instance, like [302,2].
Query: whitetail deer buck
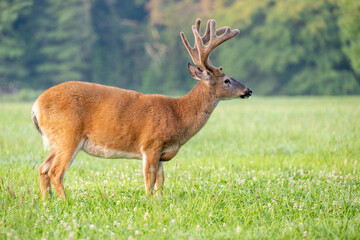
[111,122]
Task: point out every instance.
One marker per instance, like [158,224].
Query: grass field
[269,168]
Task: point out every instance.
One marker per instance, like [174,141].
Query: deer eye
[227,81]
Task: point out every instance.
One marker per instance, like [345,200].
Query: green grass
[270,168]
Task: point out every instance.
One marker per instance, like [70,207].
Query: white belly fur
[102,151]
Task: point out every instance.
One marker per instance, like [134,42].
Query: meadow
[268,168]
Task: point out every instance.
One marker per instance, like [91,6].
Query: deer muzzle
[247,93]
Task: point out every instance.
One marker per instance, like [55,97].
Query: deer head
[222,85]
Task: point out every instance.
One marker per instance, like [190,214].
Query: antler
[201,50]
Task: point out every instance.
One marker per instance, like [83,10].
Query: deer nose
[249,92]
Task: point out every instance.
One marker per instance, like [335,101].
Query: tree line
[288,47]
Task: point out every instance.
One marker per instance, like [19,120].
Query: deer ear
[198,73]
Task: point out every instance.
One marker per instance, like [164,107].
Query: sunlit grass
[261,168]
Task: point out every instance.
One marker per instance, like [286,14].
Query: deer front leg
[159,180]
[150,168]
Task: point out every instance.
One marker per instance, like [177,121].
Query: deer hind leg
[160,180]
[44,168]
[150,168]
[62,161]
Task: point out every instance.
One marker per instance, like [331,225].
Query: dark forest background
[288,47]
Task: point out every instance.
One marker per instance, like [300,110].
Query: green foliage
[62,40]
[289,172]
[12,46]
[118,56]
[349,20]
[285,47]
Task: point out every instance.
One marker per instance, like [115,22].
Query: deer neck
[196,108]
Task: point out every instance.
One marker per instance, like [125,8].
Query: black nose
[246,93]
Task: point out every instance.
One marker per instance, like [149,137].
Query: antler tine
[192,50]
[206,36]
[212,30]
[197,24]
[198,39]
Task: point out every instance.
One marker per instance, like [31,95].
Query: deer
[110,122]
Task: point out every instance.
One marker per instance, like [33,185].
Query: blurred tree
[12,46]
[349,22]
[118,56]
[60,41]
